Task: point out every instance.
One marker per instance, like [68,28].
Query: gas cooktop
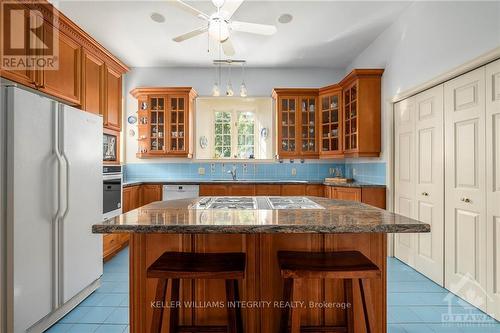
[245,203]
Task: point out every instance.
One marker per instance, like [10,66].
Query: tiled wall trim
[365,172]
[373,173]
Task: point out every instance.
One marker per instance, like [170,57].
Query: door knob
[466,200]
[425,194]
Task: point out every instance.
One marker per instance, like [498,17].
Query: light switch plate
[201,171]
[294,172]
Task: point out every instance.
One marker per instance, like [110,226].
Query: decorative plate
[132,120]
[203,142]
[264,132]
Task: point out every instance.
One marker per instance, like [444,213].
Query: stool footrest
[207,329]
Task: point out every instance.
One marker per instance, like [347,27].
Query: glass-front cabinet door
[156,127]
[351,118]
[177,113]
[308,133]
[287,125]
[331,124]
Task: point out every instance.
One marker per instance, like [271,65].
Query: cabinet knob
[425,194]
[466,200]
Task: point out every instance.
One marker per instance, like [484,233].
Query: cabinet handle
[425,194]
[466,200]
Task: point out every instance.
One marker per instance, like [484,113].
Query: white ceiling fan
[219,25]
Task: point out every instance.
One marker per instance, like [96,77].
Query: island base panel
[201,299]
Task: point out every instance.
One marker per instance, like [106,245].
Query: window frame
[234,116]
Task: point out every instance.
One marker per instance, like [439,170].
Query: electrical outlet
[330,171]
[212,168]
[353,172]
[201,171]
[294,172]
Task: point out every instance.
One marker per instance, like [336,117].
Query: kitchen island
[260,233]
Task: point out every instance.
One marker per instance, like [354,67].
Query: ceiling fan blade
[190,34]
[229,7]
[253,28]
[190,9]
[228,47]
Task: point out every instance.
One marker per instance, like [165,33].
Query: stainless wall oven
[112,191]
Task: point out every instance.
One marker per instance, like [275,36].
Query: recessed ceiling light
[157,17]
[285,18]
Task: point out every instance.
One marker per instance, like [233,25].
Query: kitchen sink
[255,181]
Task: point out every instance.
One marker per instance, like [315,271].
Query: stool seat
[326,265]
[186,265]
[352,267]
[175,266]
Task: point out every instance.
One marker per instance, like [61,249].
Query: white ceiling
[322,33]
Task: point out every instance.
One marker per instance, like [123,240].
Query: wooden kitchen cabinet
[297,119]
[374,196]
[315,190]
[361,104]
[293,190]
[165,121]
[243,190]
[267,190]
[330,124]
[93,69]
[113,99]
[88,76]
[214,190]
[65,82]
[150,193]
[130,198]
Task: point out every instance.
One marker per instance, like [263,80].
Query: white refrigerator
[51,194]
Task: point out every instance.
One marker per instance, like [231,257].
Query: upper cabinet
[330,125]
[361,103]
[297,119]
[165,121]
[83,74]
[341,120]
[113,99]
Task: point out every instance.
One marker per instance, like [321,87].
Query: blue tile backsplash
[364,172]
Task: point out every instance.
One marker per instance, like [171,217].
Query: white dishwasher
[175,192]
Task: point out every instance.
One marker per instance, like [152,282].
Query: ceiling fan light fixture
[218,29]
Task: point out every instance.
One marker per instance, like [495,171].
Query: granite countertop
[249,181]
[337,217]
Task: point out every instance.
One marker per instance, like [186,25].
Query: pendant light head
[215,90]
[229,90]
[243,90]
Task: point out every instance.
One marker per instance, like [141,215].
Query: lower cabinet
[132,197]
[149,194]
[374,196]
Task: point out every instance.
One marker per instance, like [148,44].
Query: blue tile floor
[415,305]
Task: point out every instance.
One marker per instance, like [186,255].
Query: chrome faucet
[233,172]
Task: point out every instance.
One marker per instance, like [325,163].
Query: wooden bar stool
[185,265]
[350,266]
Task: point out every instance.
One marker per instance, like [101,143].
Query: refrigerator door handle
[67,162]
[58,216]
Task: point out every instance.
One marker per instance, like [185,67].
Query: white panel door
[404,173]
[465,192]
[429,182]
[82,250]
[493,186]
[31,207]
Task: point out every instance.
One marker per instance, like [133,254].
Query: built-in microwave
[110,145]
[112,191]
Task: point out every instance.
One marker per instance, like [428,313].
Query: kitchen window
[234,134]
